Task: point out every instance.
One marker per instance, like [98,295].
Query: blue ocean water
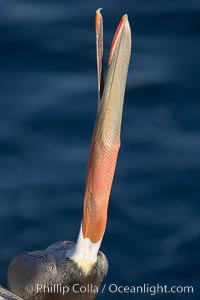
[48,102]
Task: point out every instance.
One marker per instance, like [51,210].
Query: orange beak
[106,135]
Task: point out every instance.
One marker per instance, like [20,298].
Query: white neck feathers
[84,253]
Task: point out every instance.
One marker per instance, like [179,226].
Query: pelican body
[8,295]
[44,274]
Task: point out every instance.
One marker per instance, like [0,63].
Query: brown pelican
[75,270]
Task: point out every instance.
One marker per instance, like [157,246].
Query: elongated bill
[106,135]
[99,52]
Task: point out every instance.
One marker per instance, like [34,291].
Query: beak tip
[125,17]
[123,24]
[98,11]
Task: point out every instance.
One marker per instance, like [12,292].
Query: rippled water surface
[48,98]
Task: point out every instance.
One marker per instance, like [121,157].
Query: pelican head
[66,263]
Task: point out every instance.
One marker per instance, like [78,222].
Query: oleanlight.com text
[148,289]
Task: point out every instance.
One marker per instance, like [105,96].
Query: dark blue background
[48,100]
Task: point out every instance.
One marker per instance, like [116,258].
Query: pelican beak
[106,135]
